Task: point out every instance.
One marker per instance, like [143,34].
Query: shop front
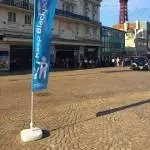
[20,57]
[66,56]
[91,54]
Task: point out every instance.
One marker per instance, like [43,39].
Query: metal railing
[18,4]
[64,13]
[58,12]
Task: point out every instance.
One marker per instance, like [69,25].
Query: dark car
[139,63]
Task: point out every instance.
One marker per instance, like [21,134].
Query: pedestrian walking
[117,60]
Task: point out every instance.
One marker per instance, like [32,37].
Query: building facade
[137,39]
[113,44]
[76,32]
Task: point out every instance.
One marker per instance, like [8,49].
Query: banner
[4,60]
[44,11]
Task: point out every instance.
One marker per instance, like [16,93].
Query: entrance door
[65,54]
[64,59]
[20,57]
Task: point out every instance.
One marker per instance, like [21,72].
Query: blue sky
[137,9]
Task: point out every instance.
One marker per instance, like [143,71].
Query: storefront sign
[4,61]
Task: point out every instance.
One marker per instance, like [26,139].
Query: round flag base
[33,134]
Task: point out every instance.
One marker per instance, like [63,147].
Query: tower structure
[123,17]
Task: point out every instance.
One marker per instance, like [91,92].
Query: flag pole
[33,42]
[33,133]
[44,12]
[32,103]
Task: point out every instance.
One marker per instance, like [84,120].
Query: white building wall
[19,25]
[56,27]
[79,7]
[90,10]
[65,28]
[81,31]
[84,7]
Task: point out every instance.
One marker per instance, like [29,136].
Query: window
[27,19]
[72,8]
[93,16]
[11,17]
[26,1]
[94,12]
[94,31]
[87,30]
[68,6]
[77,30]
[26,4]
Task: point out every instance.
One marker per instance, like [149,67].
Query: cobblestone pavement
[99,109]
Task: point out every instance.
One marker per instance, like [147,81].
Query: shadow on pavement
[26,72]
[107,112]
[46,133]
[43,94]
[116,71]
[14,73]
[103,113]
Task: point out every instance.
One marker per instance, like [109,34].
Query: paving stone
[68,111]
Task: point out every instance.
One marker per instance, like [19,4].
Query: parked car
[139,63]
